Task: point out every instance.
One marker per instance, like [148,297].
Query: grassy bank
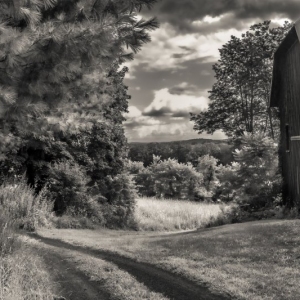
[168,215]
[22,272]
[255,260]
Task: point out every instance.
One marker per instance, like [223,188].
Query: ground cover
[166,215]
[255,260]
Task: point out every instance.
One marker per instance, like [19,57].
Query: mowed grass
[254,260]
[168,215]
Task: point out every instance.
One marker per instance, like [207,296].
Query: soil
[76,285]
[70,283]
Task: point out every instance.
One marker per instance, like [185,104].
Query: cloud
[184,88]
[166,117]
[168,104]
[134,118]
[182,14]
[170,49]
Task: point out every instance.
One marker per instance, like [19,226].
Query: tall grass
[22,274]
[26,209]
[168,215]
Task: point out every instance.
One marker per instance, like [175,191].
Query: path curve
[71,283]
[170,285]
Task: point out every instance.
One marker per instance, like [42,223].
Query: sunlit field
[166,215]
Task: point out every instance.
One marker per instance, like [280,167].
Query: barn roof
[292,36]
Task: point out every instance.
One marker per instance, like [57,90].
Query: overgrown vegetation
[22,272]
[62,98]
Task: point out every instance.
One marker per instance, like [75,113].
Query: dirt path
[158,280]
[71,283]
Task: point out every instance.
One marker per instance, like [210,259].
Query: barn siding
[290,114]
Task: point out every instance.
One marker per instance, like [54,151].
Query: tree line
[62,100]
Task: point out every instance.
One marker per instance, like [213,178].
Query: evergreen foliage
[62,94]
[253,181]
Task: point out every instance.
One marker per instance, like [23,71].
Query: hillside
[183,142]
[184,151]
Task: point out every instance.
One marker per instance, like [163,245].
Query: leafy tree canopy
[239,98]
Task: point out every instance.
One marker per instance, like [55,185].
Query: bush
[23,207]
[228,182]
[253,181]
[170,179]
[258,159]
[118,201]
[67,185]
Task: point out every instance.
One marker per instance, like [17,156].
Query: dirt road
[76,286]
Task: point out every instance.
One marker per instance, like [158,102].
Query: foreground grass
[22,272]
[255,260]
[167,215]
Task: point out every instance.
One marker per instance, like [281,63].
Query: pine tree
[56,60]
[62,93]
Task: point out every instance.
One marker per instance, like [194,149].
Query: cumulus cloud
[170,49]
[166,117]
[172,104]
[134,118]
[170,77]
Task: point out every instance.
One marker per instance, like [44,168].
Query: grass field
[168,215]
[255,260]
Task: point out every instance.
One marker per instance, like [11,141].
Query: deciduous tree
[239,97]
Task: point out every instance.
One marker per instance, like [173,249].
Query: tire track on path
[170,285]
[71,283]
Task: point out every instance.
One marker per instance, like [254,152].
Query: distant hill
[191,142]
[184,151]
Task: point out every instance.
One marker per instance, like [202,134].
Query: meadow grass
[167,215]
[251,261]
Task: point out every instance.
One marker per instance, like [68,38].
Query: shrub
[118,201]
[258,161]
[171,179]
[228,182]
[253,181]
[67,186]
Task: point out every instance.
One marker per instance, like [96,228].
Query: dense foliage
[62,96]
[184,151]
[169,179]
[254,179]
[240,96]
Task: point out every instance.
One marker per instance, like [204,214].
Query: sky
[171,76]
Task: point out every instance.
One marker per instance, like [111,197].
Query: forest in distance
[184,151]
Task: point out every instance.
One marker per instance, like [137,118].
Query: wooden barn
[285,94]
